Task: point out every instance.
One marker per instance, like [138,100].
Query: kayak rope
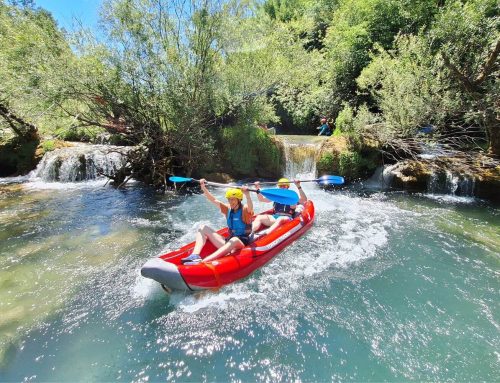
[168,290]
[216,274]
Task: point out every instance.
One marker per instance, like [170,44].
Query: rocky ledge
[461,174]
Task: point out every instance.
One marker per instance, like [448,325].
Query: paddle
[284,196]
[323,180]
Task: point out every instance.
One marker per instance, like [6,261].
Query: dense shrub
[250,152]
[348,155]
[326,164]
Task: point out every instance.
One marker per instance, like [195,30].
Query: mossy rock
[484,170]
[48,146]
[271,158]
[416,175]
[411,175]
[17,156]
[349,157]
[218,177]
[488,187]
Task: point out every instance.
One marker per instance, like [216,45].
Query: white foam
[449,198]
[38,184]
[143,222]
[347,231]
[213,299]
[145,289]
[13,180]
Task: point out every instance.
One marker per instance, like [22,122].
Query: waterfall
[300,155]
[81,162]
[447,182]
[437,181]
[381,178]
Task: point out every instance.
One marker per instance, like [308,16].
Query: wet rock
[17,156]
[457,175]
[411,175]
[488,184]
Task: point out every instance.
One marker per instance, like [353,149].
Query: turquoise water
[385,287]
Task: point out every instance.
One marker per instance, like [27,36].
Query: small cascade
[446,182]
[81,162]
[381,179]
[431,179]
[300,154]
[300,159]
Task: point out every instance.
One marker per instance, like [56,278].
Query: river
[386,286]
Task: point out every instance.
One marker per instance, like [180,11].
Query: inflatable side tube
[165,273]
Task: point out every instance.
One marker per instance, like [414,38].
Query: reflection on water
[385,286]
[52,241]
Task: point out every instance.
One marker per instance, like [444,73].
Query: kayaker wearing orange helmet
[282,213]
[239,222]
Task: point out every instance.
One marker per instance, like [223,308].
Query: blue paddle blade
[284,196]
[330,180]
[179,179]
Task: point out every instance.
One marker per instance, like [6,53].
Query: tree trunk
[493,128]
[23,129]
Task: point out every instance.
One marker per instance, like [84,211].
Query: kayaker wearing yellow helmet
[281,212]
[239,222]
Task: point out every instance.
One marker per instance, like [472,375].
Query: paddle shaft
[289,182]
[275,195]
[324,180]
[283,196]
[210,183]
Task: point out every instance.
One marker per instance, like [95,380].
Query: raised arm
[260,197]
[302,195]
[245,191]
[207,194]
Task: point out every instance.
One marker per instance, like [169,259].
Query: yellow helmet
[284,182]
[234,193]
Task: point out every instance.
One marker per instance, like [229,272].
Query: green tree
[466,37]
[356,28]
[31,51]
[446,75]
[171,75]
[33,54]
[406,88]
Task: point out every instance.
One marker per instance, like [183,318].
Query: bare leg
[266,220]
[277,223]
[233,243]
[206,232]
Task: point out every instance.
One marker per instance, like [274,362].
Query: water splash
[360,296]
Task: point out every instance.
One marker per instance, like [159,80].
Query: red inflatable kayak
[168,270]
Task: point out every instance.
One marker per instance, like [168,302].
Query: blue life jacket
[283,209]
[236,225]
